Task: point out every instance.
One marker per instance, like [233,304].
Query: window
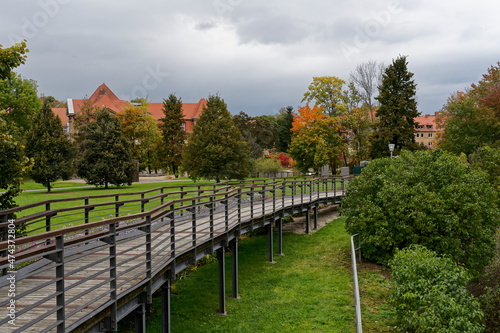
[430,135]
[430,144]
[184,126]
[420,126]
[429,126]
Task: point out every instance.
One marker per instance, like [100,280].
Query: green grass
[309,289]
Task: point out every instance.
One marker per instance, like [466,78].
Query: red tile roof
[191,110]
[61,113]
[429,123]
[102,96]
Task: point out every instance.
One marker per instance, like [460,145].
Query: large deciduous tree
[429,198]
[173,133]
[12,57]
[315,140]
[216,149]
[141,131]
[105,156]
[397,111]
[19,97]
[49,147]
[366,77]
[328,92]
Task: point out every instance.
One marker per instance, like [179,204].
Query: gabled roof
[191,110]
[61,113]
[102,97]
[429,123]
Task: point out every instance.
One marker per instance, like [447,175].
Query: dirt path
[325,216]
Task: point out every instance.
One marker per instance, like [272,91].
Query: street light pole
[391,148]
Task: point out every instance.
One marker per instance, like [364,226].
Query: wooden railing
[84,267]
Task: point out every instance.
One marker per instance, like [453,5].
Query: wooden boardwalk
[90,276]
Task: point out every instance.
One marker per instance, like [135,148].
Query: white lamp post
[391,148]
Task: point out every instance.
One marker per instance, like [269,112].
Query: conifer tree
[105,157]
[216,149]
[397,111]
[173,134]
[49,147]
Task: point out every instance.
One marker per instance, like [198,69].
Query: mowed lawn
[309,289]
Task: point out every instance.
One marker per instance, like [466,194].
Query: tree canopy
[216,149]
[11,58]
[315,140]
[173,133]
[397,111]
[328,92]
[49,147]
[105,156]
[429,198]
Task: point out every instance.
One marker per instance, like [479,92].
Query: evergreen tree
[173,134]
[216,148]
[398,109]
[49,147]
[105,157]
[285,120]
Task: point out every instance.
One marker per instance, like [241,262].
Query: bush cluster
[429,294]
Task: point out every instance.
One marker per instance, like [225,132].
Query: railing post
[239,211]
[193,225]
[112,275]
[263,201]
[252,200]
[5,237]
[47,221]
[212,222]
[226,213]
[149,293]
[357,303]
[165,305]
[234,271]
[87,210]
[172,236]
[117,206]
[61,315]
[142,203]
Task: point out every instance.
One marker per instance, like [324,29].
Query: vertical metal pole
[140,319]
[117,206]
[316,217]
[165,305]
[5,237]
[193,224]
[142,203]
[222,281]
[212,221]
[270,241]
[149,293]
[308,218]
[234,251]
[280,236]
[87,210]
[47,222]
[112,275]
[61,315]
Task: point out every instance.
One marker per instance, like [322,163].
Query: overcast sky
[258,55]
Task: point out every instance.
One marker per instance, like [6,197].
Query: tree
[173,133]
[19,97]
[367,77]
[487,159]
[315,141]
[285,121]
[49,147]
[141,131]
[429,295]
[357,124]
[243,122]
[429,198]
[81,120]
[11,58]
[327,91]
[216,149]
[467,125]
[105,156]
[487,91]
[397,111]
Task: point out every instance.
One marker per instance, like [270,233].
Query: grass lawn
[309,289]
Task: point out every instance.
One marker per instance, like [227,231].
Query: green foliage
[468,125]
[216,148]
[267,165]
[429,294]
[14,166]
[260,132]
[19,96]
[173,134]
[49,147]
[357,123]
[428,198]
[11,58]
[327,91]
[285,120]
[105,157]
[488,160]
[397,111]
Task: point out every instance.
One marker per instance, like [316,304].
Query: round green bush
[426,197]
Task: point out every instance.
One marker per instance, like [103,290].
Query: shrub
[429,294]
[267,165]
[428,198]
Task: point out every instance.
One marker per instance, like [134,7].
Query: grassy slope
[308,289]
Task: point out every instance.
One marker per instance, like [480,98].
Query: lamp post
[391,148]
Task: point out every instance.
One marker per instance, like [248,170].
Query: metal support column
[316,217]
[280,236]
[270,241]
[308,220]
[165,305]
[234,250]
[222,281]
[140,316]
